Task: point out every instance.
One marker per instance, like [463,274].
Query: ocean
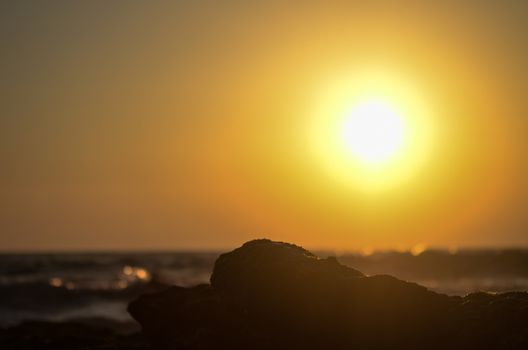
[66,286]
[61,287]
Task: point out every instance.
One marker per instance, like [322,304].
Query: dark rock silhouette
[272,295]
[75,334]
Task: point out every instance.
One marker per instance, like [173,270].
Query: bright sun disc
[373,131]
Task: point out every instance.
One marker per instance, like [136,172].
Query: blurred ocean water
[71,286]
[67,286]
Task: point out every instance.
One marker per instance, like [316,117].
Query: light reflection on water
[466,285]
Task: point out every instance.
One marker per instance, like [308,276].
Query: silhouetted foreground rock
[272,295]
[80,334]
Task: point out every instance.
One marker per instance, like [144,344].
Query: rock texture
[272,295]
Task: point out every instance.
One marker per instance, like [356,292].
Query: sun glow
[371,130]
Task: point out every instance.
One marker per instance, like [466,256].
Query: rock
[191,318]
[80,334]
[272,295]
[291,292]
[491,321]
[264,262]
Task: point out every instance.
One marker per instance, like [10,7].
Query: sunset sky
[203,124]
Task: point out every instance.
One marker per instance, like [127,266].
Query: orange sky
[135,126]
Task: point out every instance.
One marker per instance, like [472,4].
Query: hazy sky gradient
[164,125]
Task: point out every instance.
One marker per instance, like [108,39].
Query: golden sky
[176,125]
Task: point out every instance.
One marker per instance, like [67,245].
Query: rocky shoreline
[273,295]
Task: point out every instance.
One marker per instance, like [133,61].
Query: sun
[373,131]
